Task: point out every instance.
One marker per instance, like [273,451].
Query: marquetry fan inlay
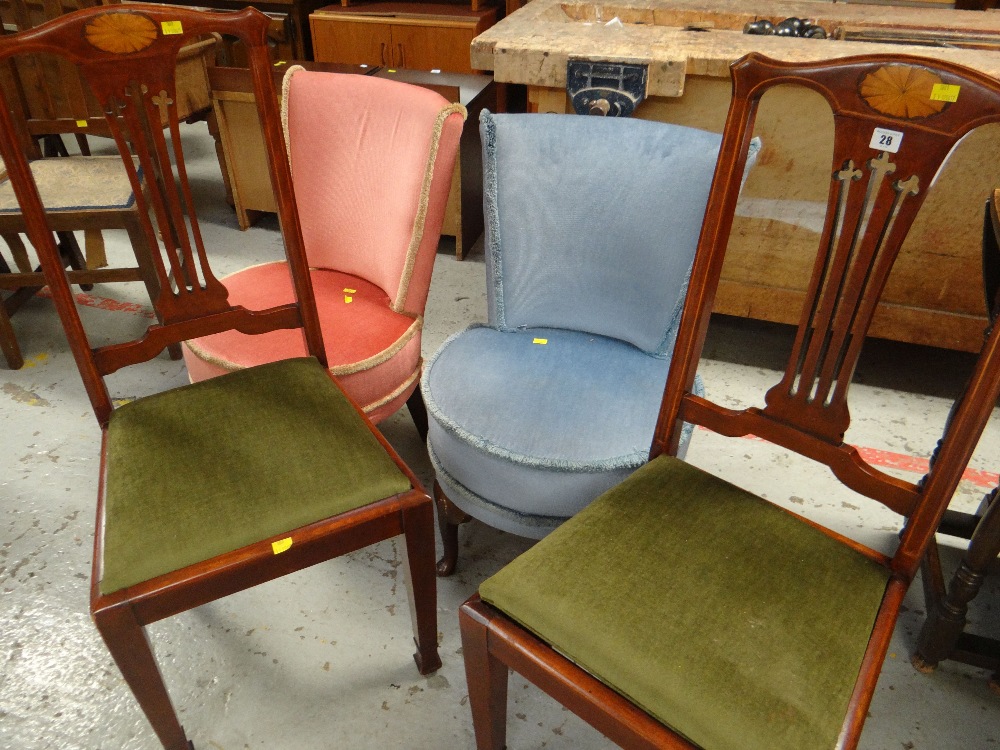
[902,91]
[120,33]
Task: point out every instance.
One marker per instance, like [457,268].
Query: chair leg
[449,517]
[83,144]
[8,341]
[418,530]
[486,677]
[946,621]
[70,250]
[126,640]
[418,412]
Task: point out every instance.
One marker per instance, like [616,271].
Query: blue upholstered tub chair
[591,227]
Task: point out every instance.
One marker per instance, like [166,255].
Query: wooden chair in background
[84,193]
[679,610]
[215,487]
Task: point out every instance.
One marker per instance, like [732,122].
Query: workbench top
[532,45]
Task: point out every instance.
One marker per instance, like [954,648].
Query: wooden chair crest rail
[679,610]
[210,488]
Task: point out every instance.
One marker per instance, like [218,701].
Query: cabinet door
[420,47]
[352,42]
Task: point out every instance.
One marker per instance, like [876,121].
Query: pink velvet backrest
[372,162]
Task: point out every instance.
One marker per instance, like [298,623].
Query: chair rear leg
[486,677]
[126,640]
[418,412]
[8,341]
[449,517]
[70,250]
[418,530]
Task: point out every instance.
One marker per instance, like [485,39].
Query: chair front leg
[449,517]
[421,583]
[486,677]
[126,640]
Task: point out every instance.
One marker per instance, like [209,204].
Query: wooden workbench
[934,295]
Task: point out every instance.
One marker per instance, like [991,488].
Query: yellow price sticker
[81,123]
[540,341]
[171,27]
[945,92]
[282,545]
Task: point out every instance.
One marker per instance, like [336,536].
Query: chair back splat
[128,63]
[681,610]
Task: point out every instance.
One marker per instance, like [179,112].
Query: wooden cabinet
[417,36]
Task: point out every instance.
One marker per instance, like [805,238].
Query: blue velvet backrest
[592,222]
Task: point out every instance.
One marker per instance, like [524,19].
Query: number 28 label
[886,140]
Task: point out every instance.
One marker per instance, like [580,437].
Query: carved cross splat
[163,101]
[849,272]
[145,125]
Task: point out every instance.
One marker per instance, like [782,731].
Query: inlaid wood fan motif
[120,33]
[903,91]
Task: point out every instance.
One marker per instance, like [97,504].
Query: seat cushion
[215,466]
[729,620]
[538,429]
[75,183]
[373,351]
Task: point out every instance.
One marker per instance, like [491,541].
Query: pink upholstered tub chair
[372,162]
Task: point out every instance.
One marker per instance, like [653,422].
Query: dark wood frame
[807,411]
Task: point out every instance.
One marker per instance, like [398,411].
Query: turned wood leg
[8,341]
[449,517]
[486,677]
[127,642]
[418,412]
[418,530]
[946,621]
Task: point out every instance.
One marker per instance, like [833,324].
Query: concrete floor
[321,659]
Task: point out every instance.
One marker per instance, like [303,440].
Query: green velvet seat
[264,450]
[764,657]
